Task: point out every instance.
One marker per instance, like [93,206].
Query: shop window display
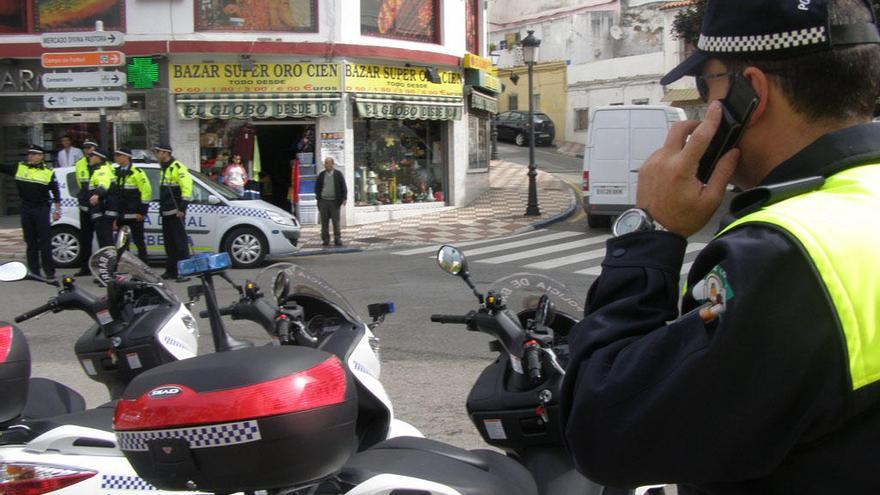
[398,162]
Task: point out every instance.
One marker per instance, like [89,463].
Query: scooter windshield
[288,279]
[105,266]
[522,291]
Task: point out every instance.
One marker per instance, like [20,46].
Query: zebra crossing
[575,252]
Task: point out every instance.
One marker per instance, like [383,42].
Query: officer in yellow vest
[130,198]
[174,197]
[86,227]
[36,183]
[96,195]
[766,378]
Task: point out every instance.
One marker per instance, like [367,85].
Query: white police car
[216,220]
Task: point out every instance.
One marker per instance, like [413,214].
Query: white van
[619,140]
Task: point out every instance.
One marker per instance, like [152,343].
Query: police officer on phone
[174,196]
[130,198]
[37,188]
[766,379]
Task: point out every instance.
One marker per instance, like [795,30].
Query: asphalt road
[428,368]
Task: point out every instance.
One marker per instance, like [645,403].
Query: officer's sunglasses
[703,86]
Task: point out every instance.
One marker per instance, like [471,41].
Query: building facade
[612,52]
[378,85]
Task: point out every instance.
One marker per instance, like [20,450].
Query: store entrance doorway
[280,144]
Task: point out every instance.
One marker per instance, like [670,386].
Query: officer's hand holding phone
[668,185]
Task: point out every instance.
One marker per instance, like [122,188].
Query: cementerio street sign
[82,40]
[68,80]
[85,99]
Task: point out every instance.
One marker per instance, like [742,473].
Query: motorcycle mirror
[452,261]
[546,311]
[281,286]
[13,271]
[123,236]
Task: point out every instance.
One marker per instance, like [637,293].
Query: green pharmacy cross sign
[143,72]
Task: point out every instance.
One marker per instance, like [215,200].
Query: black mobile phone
[736,111]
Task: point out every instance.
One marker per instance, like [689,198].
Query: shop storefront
[483,88]
[267,113]
[401,135]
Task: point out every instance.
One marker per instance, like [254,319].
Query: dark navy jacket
[757,401]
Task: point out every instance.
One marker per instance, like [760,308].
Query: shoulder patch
[714,288]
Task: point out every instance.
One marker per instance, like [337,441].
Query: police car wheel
[66,249]
[247,247]
[520,139]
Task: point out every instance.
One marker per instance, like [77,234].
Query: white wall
[506,11]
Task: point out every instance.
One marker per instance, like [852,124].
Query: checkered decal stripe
[764,42]
[227,210]
[114,482]
[201,437]
[69,202]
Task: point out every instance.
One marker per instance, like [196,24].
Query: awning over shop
[405,107]
[483,102]
[673,95]
[257,105]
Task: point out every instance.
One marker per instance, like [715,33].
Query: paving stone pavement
[497,212]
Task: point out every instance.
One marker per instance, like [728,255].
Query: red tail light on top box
[258,418]
[15,372]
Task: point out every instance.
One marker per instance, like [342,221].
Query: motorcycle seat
[47,398]
[470,472]
[99,418]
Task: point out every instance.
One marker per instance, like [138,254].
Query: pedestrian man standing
[96,195]
[130,198]
[68,155]
[767,379]
[174,196]
[331,194]
[35,182]
[86,229]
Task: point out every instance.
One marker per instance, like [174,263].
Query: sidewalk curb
[317,252]
[554,219]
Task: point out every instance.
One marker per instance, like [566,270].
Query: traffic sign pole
[104,128]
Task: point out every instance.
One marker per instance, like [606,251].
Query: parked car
[217,220]
[513,126]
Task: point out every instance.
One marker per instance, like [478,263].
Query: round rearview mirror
[452,260]
[13,271]
[281,286]
[122,237]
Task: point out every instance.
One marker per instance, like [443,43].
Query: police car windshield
[220,189]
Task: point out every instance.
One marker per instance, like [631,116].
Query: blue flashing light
[204,263]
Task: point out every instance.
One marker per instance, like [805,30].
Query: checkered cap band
[88,143]
[199,437]
[764,42]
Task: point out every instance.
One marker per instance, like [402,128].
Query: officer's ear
[761,85]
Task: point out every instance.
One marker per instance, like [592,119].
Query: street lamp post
[495,56]
[530,46]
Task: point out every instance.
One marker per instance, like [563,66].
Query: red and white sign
[67,60]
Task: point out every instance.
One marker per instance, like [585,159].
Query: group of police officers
[108,196]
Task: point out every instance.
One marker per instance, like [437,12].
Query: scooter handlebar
[35,312]
[223,312]
[452,319]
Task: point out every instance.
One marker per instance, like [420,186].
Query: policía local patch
[714,288]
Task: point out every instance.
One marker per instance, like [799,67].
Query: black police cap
[123,151]
[164,147]
[36,149]
[99,152]
[769,29]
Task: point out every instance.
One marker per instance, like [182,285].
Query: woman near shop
[235,175]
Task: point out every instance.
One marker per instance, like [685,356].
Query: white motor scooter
[49,442]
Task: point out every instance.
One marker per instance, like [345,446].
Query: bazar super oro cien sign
[262,78]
